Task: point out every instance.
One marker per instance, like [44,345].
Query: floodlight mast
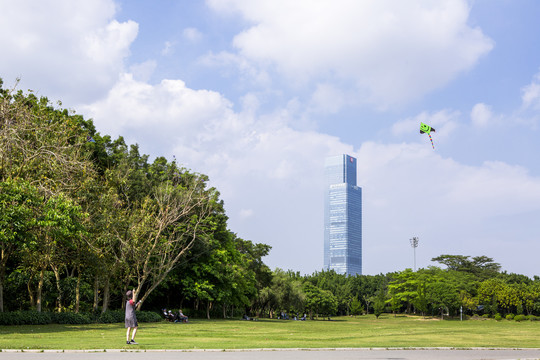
[414,244]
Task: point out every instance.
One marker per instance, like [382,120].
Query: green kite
[426,129]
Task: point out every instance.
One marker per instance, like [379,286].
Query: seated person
[181,316]
[168,315]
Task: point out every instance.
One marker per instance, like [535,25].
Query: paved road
[323,354]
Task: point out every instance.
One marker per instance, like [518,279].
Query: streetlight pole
[414,244]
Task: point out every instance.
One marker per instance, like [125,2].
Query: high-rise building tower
[342,216]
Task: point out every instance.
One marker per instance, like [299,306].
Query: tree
[319,301]
[18,205]
[356,306]
[163,227]
[404,287]
[379,303]
[482,267]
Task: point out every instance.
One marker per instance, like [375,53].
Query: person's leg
[133,333]
[127,334]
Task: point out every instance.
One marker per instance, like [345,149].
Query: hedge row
[44,318]
[517,318]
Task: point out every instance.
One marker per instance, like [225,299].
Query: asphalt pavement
[280,354]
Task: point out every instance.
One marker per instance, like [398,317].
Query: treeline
[84,218]
[467,286]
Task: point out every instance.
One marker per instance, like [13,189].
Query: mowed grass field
[343,332]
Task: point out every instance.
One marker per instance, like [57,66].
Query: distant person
[131,318]
[182,317]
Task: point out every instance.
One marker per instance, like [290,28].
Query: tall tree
[18,205]
[163,227]
[482,267]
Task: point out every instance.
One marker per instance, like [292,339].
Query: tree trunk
[106,295]
[1,296]
[39,289]
[31,293]
[224,307]
[208,307]
[59,296]
[78,292]
[3,261]
[96,292]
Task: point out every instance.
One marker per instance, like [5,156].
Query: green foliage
[70,318]
[356,306]
[320,302]
[519,318]
[379,304]
[510,317]
[44,318]
[25,318]
[498,317]
[111,317]
[481,267]
[148,316]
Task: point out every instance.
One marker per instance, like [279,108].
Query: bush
[148,316]
[510,317]
[519,318]
[486,316]
[44,318]
[25,318]
[532,318]
[111,317]
[498,317]
[71,318]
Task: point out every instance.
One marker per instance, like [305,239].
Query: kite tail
[433,146]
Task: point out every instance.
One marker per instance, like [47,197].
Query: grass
[344,332]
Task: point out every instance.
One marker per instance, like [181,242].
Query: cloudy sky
[256,93]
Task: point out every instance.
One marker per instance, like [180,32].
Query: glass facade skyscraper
[342,216]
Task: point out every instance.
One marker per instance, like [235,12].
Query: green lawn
[344,332]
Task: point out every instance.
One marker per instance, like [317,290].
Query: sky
[256,93]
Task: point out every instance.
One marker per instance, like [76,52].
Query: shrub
[110,317]
[485,316]
[532,318]
[498,317]
[519,318]
[510,317]
[44,318]
[148,316]
[70,318]
[25,318]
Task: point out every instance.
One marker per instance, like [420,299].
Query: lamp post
[414,244]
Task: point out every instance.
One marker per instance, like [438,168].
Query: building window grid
[343,250]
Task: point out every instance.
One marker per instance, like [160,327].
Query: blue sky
[256,93]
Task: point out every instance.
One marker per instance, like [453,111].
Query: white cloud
[327,99]
[64,50]
[192,34]
[250,73]
[393,51]
[143,71]
[481,115]
[246,213]
[531,94]
[167,48]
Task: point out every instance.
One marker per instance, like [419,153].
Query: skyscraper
[342,216]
